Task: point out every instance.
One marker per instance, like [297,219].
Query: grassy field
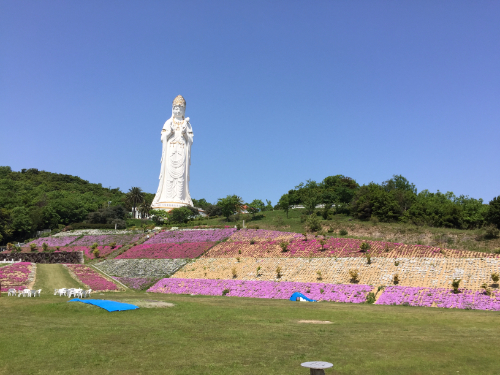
[53,276]
[223,335]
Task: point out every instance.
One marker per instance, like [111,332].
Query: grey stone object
[141,267]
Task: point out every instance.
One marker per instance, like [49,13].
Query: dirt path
[52,276]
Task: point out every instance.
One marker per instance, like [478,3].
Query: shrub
[252,241]
[313,223]
[492,231]
[354,275]
[94,246]
[365,246]
[495,276]
[278,272]
[396,263]
[321,290]
[95,251]
[487,290]
[320,276]
[45,247]
[284,246]
[225,291]
[368,259]
[395,279]
[455,284]
[238,259]
[370,298]
[343,232]
[330,230]
[258,269]
[386,248]
[112,245]
[322,242]
[33,247]
[235,274]
[305,236]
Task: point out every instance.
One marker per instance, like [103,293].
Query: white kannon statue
[176,139]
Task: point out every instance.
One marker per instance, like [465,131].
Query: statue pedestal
[168,206]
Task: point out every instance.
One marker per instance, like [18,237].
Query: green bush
[343,232]
[365,246]
[284,246]
[455,284]
[313,223]
[225,291]
[370,298]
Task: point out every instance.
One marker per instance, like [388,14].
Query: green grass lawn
[224,335]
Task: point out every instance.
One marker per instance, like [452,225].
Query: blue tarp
[107,305]
[295,297]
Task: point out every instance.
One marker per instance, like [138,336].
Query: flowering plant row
[166,251]
[439,297]
[334,247]
[263,235]
[91,278]
[263,289]
[54,241]
[15,276]
[119,239]
[191,236]
[79,232]
[89,253]
[136,282]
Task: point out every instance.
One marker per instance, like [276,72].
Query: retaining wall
[74,257]
[140,267]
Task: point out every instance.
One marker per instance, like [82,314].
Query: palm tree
[145,206]
[135,196]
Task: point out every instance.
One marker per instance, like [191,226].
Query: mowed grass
[229,335]
[54,276]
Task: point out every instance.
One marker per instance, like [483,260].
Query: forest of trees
[32,200]
[393,200]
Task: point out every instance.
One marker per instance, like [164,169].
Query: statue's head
[179,106]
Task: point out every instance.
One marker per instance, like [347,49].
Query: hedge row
[59,257]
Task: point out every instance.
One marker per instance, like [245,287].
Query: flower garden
[273,264]
[91,278]
[15,276]
[213,235]
[166,250]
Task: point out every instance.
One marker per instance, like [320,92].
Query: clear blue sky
[278,92]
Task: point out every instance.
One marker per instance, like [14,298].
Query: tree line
[394,200]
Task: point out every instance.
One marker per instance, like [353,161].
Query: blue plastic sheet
[295,297]
[107,305]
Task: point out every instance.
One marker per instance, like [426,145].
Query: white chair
[78,293]
[12,292]
[56,291]
[36,292]
[86,293]
[24,293]
[61,292]
[71,292]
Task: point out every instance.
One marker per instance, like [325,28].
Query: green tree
[180,215]
[135,196]
[159,216]
[493,215]
[284,203]
[258,204]
[230,205]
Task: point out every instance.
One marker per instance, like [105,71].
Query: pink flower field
[54,241]
[87,251]
[106,239]
[91,278]
[212,235]
[263,235]
[334,247]
[167,251]
[15,276]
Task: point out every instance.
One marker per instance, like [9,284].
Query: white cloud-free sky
[278,92]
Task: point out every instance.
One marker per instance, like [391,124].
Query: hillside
[32,200]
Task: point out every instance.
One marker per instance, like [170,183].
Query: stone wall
[75,257]
[140,267]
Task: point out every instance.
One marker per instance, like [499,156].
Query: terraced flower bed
[103,250]
[440,297]
[422,272]
[15,276]
[334,247]
[106,239]
[91,278]
[190,236]
[54,241]
[263,289]
[166,251]
[136,282]
[263,235]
